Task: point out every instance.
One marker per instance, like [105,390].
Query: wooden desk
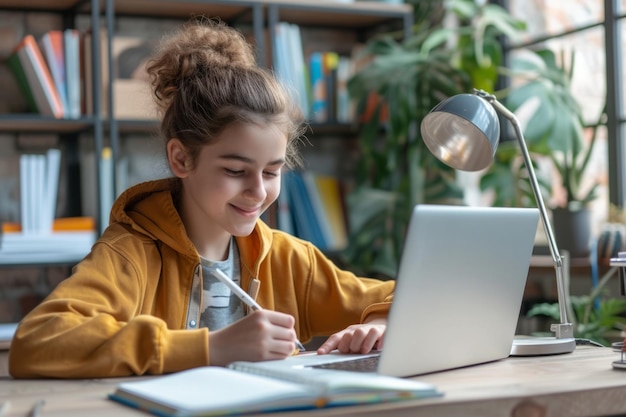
[582,383]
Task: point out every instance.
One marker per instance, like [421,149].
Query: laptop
[458,292]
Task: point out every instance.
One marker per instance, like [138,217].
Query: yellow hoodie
[123,310]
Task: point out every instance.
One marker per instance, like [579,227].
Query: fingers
[262,335]
[329,345]
[277,318]
[360,338]
[277,335]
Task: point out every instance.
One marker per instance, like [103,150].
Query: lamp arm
[565,328]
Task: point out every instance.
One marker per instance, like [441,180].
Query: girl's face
[235,179]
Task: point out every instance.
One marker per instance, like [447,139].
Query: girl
[146,299]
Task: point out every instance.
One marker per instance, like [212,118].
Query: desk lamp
[463,132]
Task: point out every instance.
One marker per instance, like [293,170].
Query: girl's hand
[262,335]
[357,338]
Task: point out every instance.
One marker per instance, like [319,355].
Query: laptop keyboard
[365,364]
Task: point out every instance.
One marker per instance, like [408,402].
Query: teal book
[305,219]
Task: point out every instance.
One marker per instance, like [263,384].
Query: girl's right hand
[261,335]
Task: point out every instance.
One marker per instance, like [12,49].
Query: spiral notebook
[458,293]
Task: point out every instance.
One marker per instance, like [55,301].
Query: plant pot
[572,230]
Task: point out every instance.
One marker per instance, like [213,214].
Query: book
[59,242]
[73,81]
[54,50]
[284,217]
[61,224]
[34,78]
[331,197]
[289,63]
[69,241]
[331,61]
[107,190]
[318,88]
[343,106]
[39,181]
[319,211]
[47,211]
[241,389]
[305,221]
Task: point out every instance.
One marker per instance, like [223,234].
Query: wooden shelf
[152,126]
[34,123]
[362,14]
[224,9]
[41,5]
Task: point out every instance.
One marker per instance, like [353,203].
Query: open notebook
[215,391]
[458,293]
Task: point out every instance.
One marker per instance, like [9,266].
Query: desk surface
[581,383]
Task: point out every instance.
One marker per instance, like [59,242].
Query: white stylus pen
[245,297]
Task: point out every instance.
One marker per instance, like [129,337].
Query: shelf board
[27,123]
[226,9]
[341,129]
[317,12]
[28,260]
[42,5]
[362,14]
[313,129]
[136,126]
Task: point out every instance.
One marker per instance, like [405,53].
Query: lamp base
[539,346]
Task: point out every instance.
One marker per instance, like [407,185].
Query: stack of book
[50,80]
[39,237]
[312,207]
[318,79]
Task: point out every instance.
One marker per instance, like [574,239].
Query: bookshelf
[352,22]
[360,19]
[67,131]
[257,18]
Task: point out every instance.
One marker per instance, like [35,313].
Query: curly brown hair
[205,77]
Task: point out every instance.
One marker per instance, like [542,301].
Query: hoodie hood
[149,208]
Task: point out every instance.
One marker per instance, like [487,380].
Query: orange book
[63,224]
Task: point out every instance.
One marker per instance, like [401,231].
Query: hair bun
[197,47]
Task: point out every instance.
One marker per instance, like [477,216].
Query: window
[594,34]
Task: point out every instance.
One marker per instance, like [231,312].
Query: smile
[247,211]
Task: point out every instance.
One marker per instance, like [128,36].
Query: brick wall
[22,288]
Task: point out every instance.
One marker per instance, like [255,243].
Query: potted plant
[596,316]
[555,131]
[409,78]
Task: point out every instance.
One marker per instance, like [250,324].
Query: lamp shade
[462,132]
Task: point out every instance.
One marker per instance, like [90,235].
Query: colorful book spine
[39,80]
[54,51]
[305,221]
[331,197]
[318,87]
[71,42]
[331,60]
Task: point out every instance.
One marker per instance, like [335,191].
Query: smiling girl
[146,300]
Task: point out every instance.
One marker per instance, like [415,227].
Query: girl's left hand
[357,338]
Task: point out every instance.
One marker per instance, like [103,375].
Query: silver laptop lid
[459,288]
